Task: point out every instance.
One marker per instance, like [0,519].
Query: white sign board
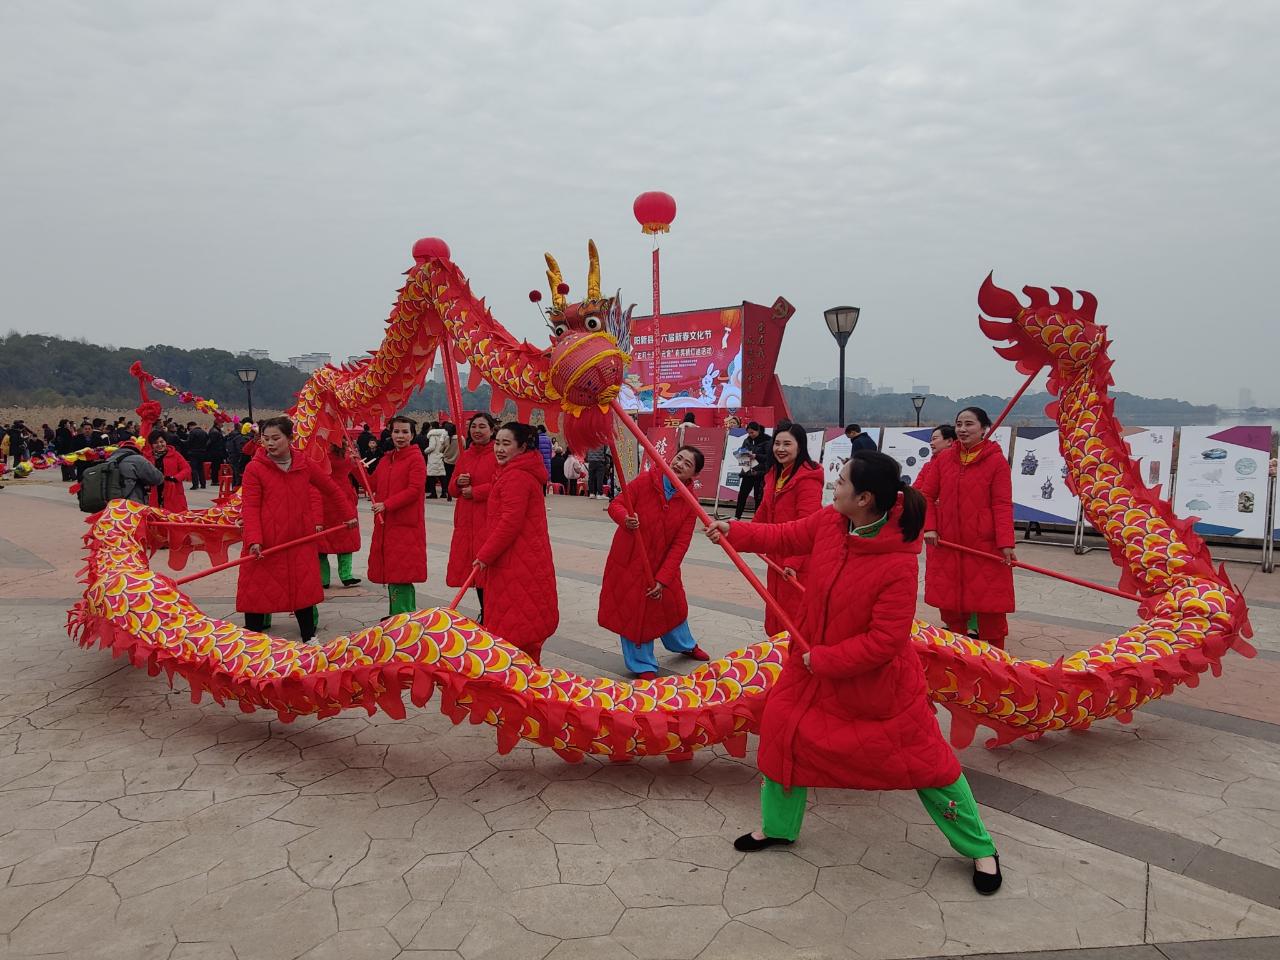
[1152,450]
[834,456]
[1040,493]
[1222,479]
[910,447]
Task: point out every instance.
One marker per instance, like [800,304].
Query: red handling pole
[1010,405]
[1044,570]
[622,486]
[687,494]
[265,553]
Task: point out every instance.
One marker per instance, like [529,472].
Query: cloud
[251,174]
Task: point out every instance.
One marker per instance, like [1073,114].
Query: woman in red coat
[792,491]
[515,558]
[469,486]
[173,495]
[276,508]
[852,710]
[345,542]
[970,498]
[651,518]
[398,553]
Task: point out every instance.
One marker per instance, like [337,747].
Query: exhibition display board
[909,446]
[1040,492]
[1222,479]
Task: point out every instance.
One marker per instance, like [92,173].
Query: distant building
[310,362]
[860,385]
[258,354]
[921,388]
[882,391]
[1246,398]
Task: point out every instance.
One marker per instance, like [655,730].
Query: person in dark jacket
[755,457]
[599,463]
[857,439]
[544,448]
[215,451]
[138,474]
[852,711]
[197,444]
[63,438]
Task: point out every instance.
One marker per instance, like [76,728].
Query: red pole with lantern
[434,248]
[654,211]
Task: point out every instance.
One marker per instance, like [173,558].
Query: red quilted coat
[800,496]
[972,505]
[862,717]
[470,514]
[332,512]
[520,603]
[666,527]
[276,508]
[398,553]
[175,491]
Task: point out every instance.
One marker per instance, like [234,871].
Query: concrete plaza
[134,824]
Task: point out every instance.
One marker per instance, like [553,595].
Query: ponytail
[913,510]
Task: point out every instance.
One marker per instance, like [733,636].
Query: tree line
[38,370]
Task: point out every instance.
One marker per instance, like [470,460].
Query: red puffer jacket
[175,491]
[862,717]
[520,603]
[398,553]
[800,497]
[972,505]
[666,527]
[277,508]
[332,512]
[470,514]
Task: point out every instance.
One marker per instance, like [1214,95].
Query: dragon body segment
[1192,614]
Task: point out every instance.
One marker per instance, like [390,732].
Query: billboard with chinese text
[700,357]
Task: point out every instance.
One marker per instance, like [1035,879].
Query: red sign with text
[699,355]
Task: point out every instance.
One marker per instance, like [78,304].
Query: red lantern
[655,211]
[428,248]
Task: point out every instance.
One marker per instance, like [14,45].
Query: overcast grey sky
[253,174]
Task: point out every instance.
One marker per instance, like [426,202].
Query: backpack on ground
[102,482]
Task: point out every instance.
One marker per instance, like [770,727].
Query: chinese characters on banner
[709,440]
[701,357]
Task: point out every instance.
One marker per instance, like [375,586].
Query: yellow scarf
[783,477]
[968,456]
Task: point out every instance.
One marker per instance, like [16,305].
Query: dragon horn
[555,278]
[593,271]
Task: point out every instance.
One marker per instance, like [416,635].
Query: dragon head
[1056,334]
[590,341]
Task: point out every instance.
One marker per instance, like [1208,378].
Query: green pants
[403,598]
[952,807]
[344,569]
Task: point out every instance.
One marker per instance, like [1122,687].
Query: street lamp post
[841,321]
[917,401]
[247,375]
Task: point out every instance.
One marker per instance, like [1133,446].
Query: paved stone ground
[135,824]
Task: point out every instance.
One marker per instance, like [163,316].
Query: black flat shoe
[747,843]
[988,883]
[351,582]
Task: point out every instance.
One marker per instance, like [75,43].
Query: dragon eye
[560,329]
[594,324]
